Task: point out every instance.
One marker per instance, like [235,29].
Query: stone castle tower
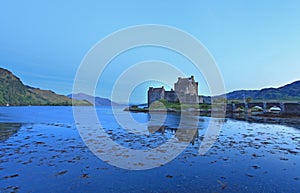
[186,92]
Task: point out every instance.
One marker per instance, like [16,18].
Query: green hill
[289,92]
[15,93]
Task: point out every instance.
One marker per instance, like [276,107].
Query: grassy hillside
[14,92]
[289,92]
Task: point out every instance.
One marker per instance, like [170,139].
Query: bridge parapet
[292,108]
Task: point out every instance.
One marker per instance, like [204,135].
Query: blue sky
[256,44]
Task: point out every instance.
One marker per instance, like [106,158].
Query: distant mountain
[15,93]
[97,101]
[289,92]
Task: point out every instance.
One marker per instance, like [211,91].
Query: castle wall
[171,96]
[155,94]
[188,99]
[201,100]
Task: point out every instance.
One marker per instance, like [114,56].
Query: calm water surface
[42,151]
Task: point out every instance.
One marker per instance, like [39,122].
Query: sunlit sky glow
[256,44]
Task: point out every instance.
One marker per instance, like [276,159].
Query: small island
[184,97]
[243,105]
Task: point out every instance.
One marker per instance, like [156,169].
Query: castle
[186,92]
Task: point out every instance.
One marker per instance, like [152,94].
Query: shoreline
[287,120]
[267,118]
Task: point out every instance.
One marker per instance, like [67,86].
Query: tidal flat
[42,151]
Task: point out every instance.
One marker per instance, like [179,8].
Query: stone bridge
[288,108]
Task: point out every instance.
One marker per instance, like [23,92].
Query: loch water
[41,150]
